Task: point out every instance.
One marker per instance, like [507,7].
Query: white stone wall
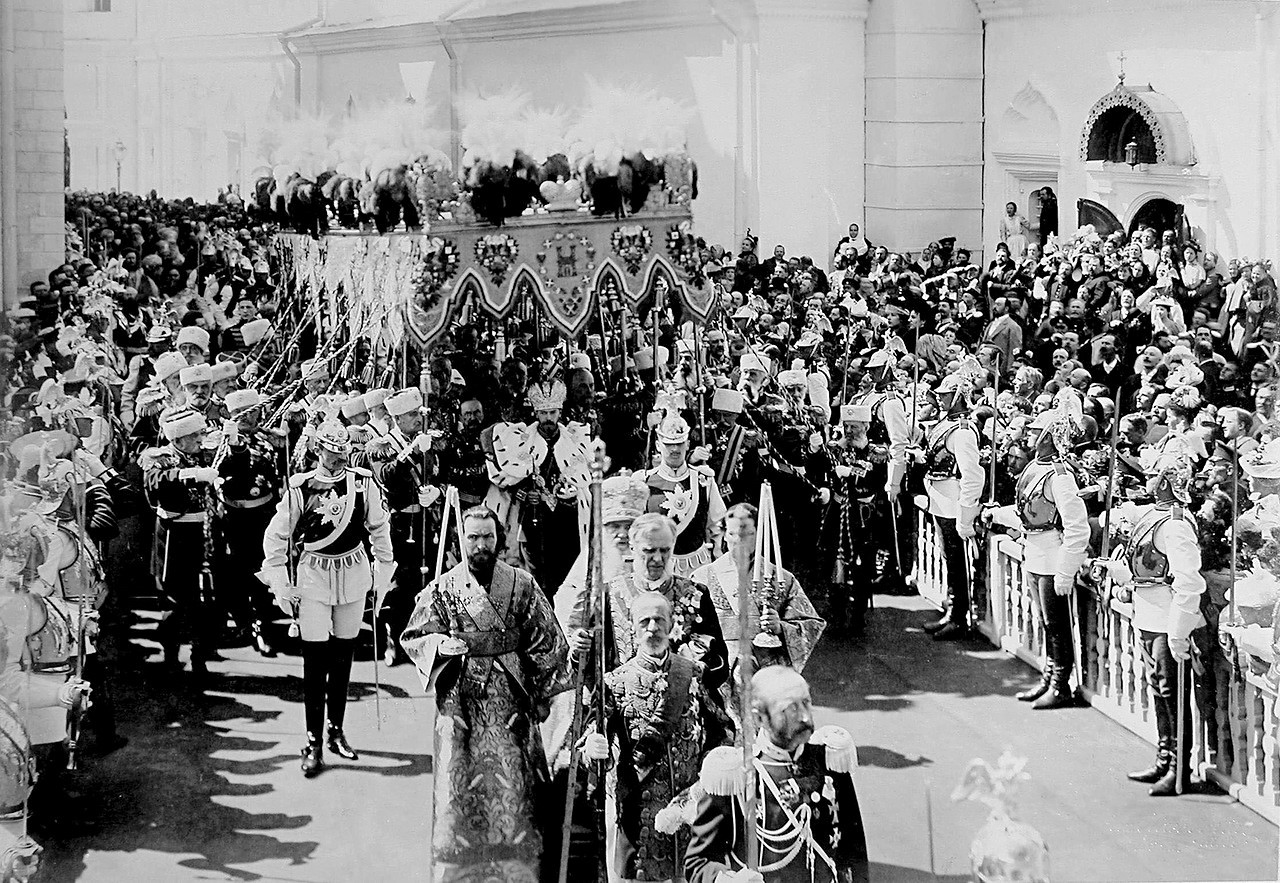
[924,123]
[950,120]
[31,154]
[1046,65]
[796,175]
[186,88]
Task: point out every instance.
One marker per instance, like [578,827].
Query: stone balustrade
[1235,709]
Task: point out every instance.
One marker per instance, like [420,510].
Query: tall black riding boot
[1046,674]
[340,654]
[315,674]
[1031,694]
[1177,779]
[1057,629]
[1164,744]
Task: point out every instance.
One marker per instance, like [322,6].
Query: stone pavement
[209,788]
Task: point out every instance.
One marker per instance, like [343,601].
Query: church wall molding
[638,15]
[1011,10]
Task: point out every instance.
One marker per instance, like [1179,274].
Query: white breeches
[318,621]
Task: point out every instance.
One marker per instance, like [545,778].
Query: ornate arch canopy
[1144,116]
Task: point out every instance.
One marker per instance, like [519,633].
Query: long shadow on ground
[851,674]
[161,792]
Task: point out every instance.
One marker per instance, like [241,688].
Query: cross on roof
[1122,66]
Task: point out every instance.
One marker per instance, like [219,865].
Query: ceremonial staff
[702,397]
[599,464]
[995,420]
[1235,516]
[592,608]
[1111,479]
[1104,616]
[745,660]
[75,717]
[291,568]
[844,372]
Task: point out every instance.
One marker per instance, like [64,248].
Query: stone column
[924,75]
[808,107]
[31,144]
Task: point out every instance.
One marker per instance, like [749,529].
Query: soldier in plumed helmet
[141,369]
[1159,570]
[684,492]
[890,427]
[1055,528]
[331,520]
[954,478]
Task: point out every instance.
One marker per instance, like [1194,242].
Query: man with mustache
[333,524]
[811,828]
[660,724]
[485,639]
[695,630]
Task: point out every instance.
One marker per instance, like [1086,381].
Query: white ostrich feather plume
[392,134]
[299,145]
[492,129]
[544,132]
[621,121]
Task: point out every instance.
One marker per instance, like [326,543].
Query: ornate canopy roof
[1135,113]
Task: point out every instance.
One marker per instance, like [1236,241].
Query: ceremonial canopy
[569,263]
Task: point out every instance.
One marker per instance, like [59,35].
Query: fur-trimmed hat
[194,335]
[241,400]
[196,374]
[315,369]
[225,370]
[353,406]
[177,423]
[728,400]
[375,397]
[254,331]
[168,364]
[855,413]
[404,402]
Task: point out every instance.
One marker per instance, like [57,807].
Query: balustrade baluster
[1102,658]
[1223,759]
[1240,720]
[1257,730]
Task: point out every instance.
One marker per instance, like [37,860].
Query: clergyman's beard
[614,561]
[481,565]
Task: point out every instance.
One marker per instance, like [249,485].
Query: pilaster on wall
[924,70]
[31,143]
[809,103]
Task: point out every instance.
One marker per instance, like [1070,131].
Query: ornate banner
[564,259]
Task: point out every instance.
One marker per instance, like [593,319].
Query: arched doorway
[1161,214]
[1116,128]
